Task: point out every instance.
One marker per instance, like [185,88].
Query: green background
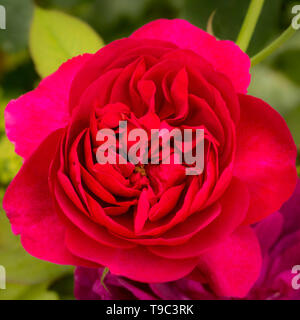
[276,80]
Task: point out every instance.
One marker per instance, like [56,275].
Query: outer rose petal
[291,212]
[137,264]
[233,266]
[28,205]
[32,117]
[265,159]
[268,231]
[225,56]
[84,280]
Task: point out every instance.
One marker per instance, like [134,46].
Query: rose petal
[268,231]
[234,204]
[291,212]
[29,208]
[233,266]
[265,159]
[32,117]
[225,56]
[136,264]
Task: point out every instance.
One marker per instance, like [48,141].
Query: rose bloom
[279,236]
[154,223]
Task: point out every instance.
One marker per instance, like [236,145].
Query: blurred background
[276,80]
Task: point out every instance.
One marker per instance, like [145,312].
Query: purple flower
[279,236]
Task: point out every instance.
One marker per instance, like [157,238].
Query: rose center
[140,169]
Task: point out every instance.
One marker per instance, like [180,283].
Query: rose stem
[249,24]
[286,35]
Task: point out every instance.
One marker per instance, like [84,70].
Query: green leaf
[56,37]
[10,162]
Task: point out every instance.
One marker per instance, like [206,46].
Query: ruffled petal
[225,56]
[234,205]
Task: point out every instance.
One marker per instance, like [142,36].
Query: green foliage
[269,84]
[56,37]
[16,291]
[64,287]
[293,121]
[287,59]
[277,82]
[115,19]
[10,163]
[18,19]
[26,277]
[229,17]
[288,62]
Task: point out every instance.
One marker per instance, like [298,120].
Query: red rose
[151,223]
